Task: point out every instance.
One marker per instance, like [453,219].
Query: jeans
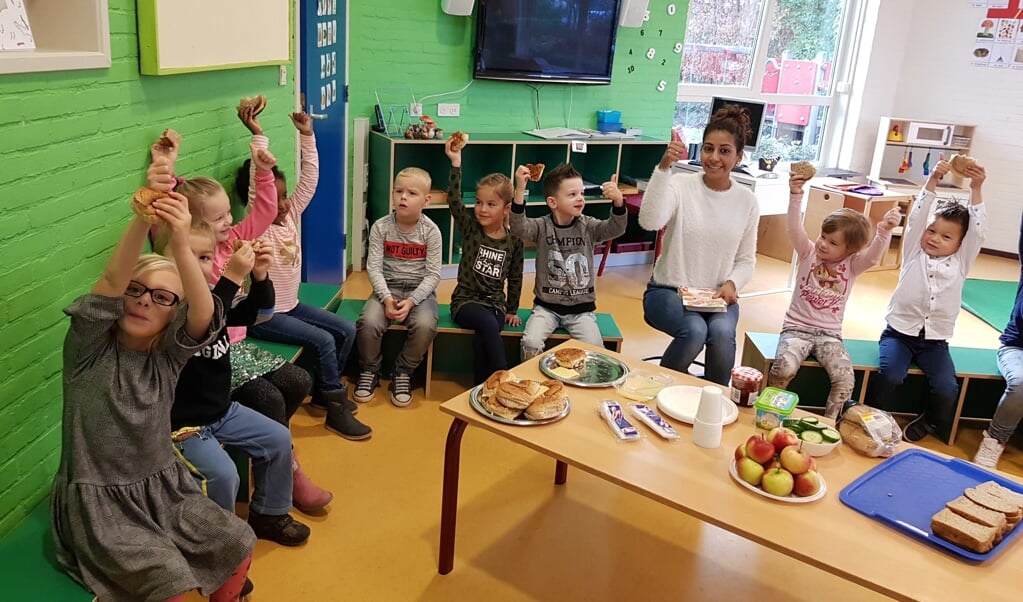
[326,333]
[795,345]
[690,331]
[422,327]
[542,322]
[1010,406]
[487,346]
[267,442]
[896,352]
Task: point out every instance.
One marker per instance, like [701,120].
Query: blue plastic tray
[907,489]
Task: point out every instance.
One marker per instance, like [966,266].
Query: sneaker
[917,429]
[320,400]
[989,452]
[401,389]
[279,528]
[368,382]
[341,421]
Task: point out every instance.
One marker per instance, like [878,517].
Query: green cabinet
[489,153]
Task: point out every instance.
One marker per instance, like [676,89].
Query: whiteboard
[180,36]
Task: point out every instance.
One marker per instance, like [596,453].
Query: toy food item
[458,140]
[535,171]
[960,163]
[870,431]
[803,169]
[550,403]
[142,203]
[571,358]
[258,103]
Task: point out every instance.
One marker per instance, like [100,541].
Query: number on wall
[671,10]
[678,48]
[651,53]
[661,85]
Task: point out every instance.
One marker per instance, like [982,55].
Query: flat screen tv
[560,41]
[756,113]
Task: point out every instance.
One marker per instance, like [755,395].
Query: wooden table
[825,534]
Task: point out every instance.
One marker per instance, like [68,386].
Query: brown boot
[306,495]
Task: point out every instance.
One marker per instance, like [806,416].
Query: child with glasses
[128,520]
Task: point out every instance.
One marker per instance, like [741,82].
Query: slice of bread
[968,509]
[963,532]
[995,502]
[1003,492]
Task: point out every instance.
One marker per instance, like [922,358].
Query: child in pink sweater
[827,270]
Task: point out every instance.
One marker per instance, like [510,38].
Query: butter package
[773,406]
[652,419]
[623,430]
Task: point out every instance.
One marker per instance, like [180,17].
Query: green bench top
[28,564]
[351,308]
[864,354]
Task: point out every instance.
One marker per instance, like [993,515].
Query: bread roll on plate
[501,376]
[498,409]
[517,395]
[572,358]
[552,402]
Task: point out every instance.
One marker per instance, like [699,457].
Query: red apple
[750,471]
[773,463]
[813,463]
[782,437]
[794,460]
[759,449]
[777,481]
[806,484]
[740,452]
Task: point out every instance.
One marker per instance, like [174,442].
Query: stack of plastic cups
[708,423]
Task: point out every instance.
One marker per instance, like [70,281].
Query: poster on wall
[15,32]
[998,38]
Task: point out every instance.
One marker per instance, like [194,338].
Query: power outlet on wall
[415,109]
[445,109]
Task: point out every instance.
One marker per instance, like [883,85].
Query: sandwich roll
[142,203]
[571,357]
[501,376]
[550,404]
[497,409]
[516,395]
[960,163]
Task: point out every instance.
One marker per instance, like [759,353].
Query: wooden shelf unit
[501,153]
[68,36]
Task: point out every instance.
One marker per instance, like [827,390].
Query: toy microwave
[929,134]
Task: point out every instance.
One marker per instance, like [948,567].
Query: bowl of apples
[776,467]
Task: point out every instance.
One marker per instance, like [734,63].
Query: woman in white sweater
[710,241]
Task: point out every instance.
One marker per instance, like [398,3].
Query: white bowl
[819,449]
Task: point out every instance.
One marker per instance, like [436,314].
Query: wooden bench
[28,558]
[452,337]
[980,383]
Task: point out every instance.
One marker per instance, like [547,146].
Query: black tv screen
[565,41]
[756,116]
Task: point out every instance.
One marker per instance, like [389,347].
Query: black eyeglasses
[158,295]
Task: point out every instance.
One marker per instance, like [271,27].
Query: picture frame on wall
[15,30]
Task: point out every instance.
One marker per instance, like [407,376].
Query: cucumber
[811,424]
[831,435]
[792,423]
[812,436]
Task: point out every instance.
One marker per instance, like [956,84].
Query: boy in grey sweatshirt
[565,292]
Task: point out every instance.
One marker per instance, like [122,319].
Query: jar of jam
[745,385]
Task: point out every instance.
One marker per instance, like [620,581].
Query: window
[783,52]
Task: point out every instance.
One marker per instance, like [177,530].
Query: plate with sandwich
[946,502]
[581,368]
[505,398]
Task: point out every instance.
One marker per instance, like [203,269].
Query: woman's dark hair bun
[733,119]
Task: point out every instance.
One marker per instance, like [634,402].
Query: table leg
[560,473]
[449,496]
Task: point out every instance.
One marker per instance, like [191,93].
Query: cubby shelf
[501,153]
[68,35]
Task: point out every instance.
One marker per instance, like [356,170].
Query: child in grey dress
[128,520]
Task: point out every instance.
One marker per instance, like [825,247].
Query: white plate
[681,402]
[792,499]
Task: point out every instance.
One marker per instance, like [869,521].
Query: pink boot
[306,495]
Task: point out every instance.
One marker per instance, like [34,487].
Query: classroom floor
[519,537]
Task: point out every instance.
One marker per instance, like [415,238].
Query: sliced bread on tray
[963,532]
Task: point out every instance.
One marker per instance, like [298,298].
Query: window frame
[837,101]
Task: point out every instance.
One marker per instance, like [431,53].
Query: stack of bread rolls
[506,396]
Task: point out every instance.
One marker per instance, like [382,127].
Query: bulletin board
[183,36]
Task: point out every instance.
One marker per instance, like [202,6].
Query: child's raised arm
[309,177]
[117,274]
[977,175]
[797,234]
[173,210]
[938,173]
[264,209]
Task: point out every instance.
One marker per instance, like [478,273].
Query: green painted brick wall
[407,47]
[73,147]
